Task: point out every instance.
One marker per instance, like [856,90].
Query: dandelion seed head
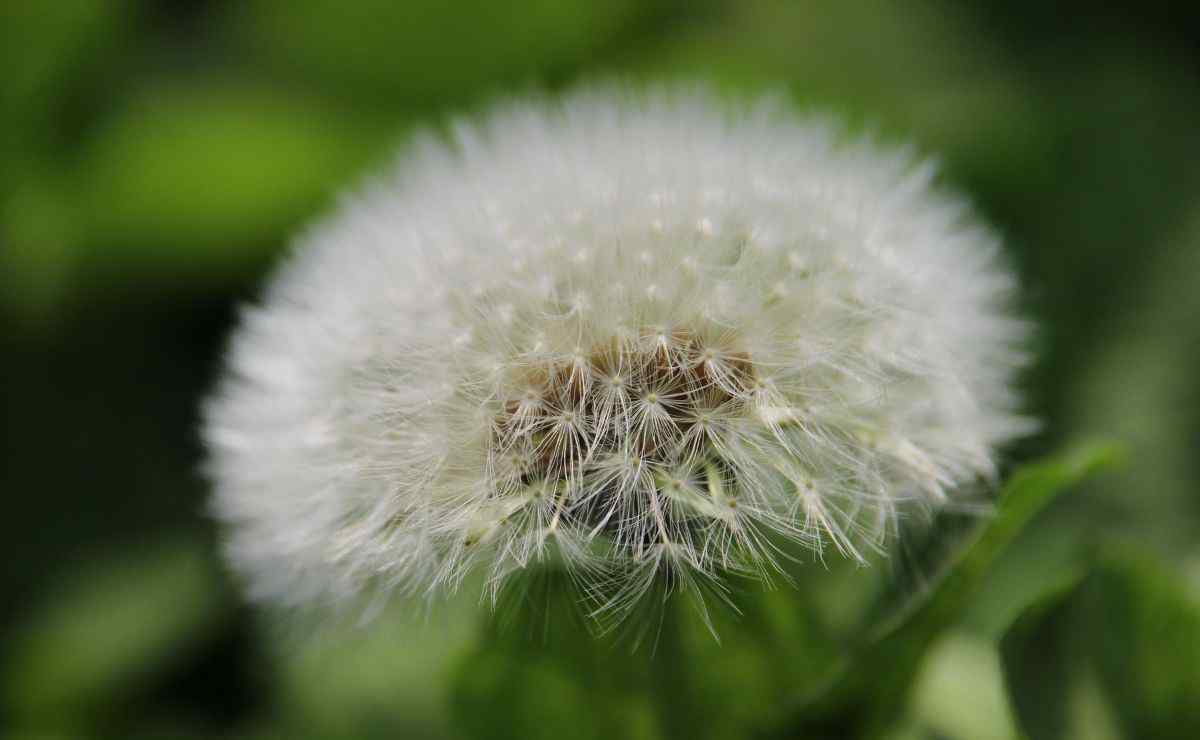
[642,333]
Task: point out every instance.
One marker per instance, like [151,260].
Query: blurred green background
[156,155]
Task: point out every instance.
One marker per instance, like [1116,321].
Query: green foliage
[387,679]
[1133,625]
[207,175]
[959,691]
[543,675]
[778,664]
[46,51]
[870,689]
[106,631]
[39,226]
[1035,651]
[938,79]
[427,50]
[1148,642]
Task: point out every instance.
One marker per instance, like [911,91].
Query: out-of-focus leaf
[44,48]
[960,690]
[872,687]
[213,176]
[1039,563]
[1143,385]
[545,676]
[1121,647]
[39,234]
[415,52]
[776,645]
[1146,636]
[1037,655]
[390,678]
[694,670]
[109,626]
[922,69]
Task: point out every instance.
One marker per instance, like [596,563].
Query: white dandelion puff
[650,337]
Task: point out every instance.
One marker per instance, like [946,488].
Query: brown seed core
[656,397]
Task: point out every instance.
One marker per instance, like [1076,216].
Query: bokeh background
[156,155]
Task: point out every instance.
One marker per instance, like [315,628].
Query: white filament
[637,331]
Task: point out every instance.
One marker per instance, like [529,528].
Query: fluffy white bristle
[636,331]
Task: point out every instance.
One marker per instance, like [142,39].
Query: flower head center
[578,413]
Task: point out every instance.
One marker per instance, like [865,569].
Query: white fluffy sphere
[639,332]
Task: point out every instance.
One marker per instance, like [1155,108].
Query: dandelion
[638,334]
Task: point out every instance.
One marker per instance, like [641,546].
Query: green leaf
[1145,633]
[872,686]
[1130,631]
[412,53]
[40,234]
[681,669]
[775,644]
[46,50]
[1037,656]
[390,679]
[106,628]
[208,176]
[959,692]
[545,675]
[905,86]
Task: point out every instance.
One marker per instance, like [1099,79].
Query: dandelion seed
[635,331]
